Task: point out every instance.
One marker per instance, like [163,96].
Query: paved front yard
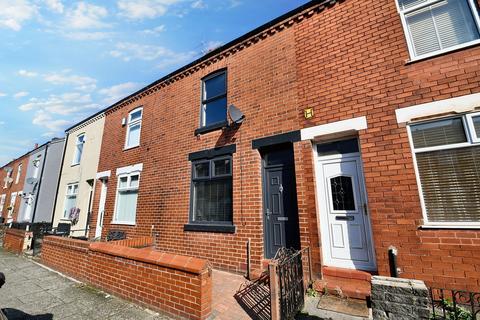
[36,291]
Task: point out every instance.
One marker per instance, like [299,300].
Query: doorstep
[331,307]
[343,282]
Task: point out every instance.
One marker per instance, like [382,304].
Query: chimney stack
[36,146]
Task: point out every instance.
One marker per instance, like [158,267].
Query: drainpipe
[392,259]
[59,178]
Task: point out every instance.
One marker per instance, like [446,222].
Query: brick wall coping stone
[74,244]
[167,260]
[118,249]
[16,232]
[417,286]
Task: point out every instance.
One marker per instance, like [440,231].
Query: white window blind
[436,26]
[127,195]
[448,164]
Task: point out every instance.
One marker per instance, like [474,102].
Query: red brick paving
[224,305]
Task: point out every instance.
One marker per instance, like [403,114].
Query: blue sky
[61,61]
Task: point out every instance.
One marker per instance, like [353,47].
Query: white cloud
[210,46]
[235,3]
[86,16]
[97,35]
[144,9]
[65,78]
[14,13]
[3,94]
[199,4]
[64,104]
[43,119]
[118,92]
[164,57]
[54,5]
[20,94]
[28,74]
[155,31]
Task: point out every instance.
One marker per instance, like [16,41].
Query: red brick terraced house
[12,181]
[361,134]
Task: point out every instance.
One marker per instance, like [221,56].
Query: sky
[61,61]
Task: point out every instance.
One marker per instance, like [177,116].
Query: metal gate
[290,277]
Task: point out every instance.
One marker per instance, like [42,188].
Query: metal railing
[454,304]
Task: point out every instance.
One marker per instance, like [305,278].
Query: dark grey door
[280,201]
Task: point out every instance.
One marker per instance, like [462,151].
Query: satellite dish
[8,169]
[235,114]
[31,180]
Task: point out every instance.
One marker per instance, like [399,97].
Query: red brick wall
[14,240]
[346,61]
[169,120]
[68,256]
[13,187]
[352,62]
[178,285]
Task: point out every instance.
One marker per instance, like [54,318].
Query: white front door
[101,209]
[344,220]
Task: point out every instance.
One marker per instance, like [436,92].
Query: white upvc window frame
[131,124]
[9,175]
[3,198]
[19,172]
[469,119]
[127,188]
[410,45]
[69,193]
[469,134]
[75,154]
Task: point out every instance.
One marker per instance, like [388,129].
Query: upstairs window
[8,179]
[19,173]
[447,156]
[214,99]
[437,26]
[134,126]
[212,191]
[78,149]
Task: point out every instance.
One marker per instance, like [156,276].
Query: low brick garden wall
[16,240]
[178,285]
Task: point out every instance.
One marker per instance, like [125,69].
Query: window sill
[451,227]
[130,148]
[75,164]
[443,52]
[122,223]
[210,228]
[212,127]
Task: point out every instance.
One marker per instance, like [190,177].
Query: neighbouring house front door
[344,217]
[280,200]
[101,208]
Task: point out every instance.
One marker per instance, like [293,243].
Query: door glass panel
[342,193]
[338,147]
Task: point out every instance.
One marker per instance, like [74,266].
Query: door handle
[365,209]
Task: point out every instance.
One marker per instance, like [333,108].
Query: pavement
[35,293]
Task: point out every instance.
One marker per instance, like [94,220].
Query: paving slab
[33,292]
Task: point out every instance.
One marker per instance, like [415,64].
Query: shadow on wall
[14,314]
[254,298]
